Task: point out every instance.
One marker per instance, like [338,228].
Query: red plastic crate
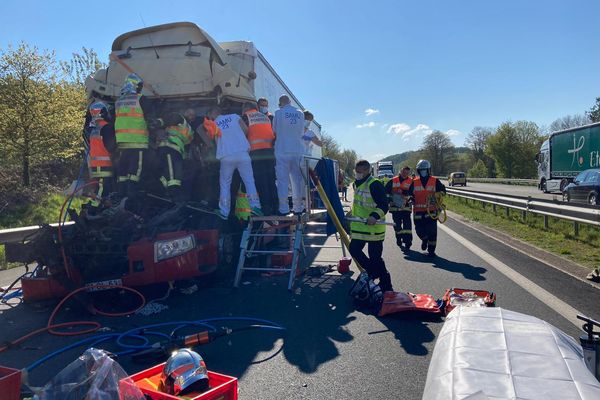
[221,387]
[10,383]
[489,298]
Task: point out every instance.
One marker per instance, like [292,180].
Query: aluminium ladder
[259,228]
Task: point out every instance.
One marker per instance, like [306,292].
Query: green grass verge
[46,211]
[559,238]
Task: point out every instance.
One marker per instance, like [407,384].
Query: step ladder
[262,227]
[314,230]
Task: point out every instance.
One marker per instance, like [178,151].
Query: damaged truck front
[152,240]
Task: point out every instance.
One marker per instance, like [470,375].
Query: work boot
[431,252]
[424,244]
[385,282]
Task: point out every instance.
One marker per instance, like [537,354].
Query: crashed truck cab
[182,68]
[176,61]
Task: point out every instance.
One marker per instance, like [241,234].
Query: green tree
[569,121]
[513,147]
[331,147]
[439,150]
[41,114]
[347,161]
[479,170]
[82,65]
[594,112]
[477,142]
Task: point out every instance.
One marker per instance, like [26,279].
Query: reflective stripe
[422,195]
[130,126]
[100,172]
[260,132]
[129,114]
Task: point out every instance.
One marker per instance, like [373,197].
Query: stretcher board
[493,353]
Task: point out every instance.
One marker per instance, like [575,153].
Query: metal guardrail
[505,181]
[16,235]
[548,208]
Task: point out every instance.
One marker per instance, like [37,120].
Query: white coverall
[288,125]
[232,151]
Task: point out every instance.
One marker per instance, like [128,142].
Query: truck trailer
[565,154]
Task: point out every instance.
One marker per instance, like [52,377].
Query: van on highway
[457,178]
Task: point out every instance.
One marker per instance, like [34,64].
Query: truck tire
[563,183]
[593,199]
[543,186]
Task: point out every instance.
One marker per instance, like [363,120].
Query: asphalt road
[330,349]
[515,190]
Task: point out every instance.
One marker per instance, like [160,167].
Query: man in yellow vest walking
[371,204]
[132,135]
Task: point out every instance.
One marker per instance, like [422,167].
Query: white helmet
[424,165]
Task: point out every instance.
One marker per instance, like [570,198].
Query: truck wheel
[563,183]
[566,197]
[593,199]
[543,186]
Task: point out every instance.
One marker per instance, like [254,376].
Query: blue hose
[139,332]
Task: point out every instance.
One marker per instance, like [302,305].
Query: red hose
[51,328]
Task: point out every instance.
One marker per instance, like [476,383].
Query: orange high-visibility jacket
[423,195]
[260,131]
[400,187]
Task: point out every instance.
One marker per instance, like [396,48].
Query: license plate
[97,286]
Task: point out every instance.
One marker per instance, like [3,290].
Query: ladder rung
[320,246]
[316,223]
[274,218]
[266,269]
[271,234]
[316,235]
[270,251]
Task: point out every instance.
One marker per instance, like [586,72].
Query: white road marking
[564,309]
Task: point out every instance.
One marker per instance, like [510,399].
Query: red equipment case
[221,387]
[10,383]
[489,298]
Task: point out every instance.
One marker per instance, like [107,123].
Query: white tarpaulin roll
[492,353]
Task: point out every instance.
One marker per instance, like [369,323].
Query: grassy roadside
[559,238]
[45,211]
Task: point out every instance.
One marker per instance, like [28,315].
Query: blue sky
[417,65]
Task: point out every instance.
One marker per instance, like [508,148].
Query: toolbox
[221,387]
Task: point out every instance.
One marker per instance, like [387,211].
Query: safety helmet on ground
[366,292]
[423,165]
[98,111]
[183,372]
[133,84]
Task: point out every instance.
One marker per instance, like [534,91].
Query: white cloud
[398,129]
[453,132]
[406,133]
[371,111]
[369,124]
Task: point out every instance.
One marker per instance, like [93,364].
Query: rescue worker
[288,126]
[400,208]
[423,191]
[232,152]
[99,161]
[171,152]
[131,134]
[263,107]
[309,137]
[370,203]
[260,136]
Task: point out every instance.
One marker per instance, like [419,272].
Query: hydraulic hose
[440,211]
[140,333]
[93,325]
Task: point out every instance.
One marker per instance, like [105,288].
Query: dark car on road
[585,188]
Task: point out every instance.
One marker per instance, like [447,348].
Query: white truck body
[244,57]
